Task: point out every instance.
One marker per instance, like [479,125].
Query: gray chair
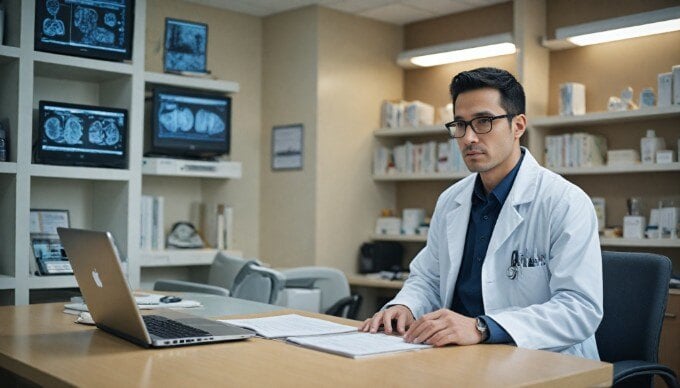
[258,284]
[635,296]
[221,277]
[335,293]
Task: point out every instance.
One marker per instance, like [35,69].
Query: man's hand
[399,313]
[444,327]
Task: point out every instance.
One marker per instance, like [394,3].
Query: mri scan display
[192,118]
[185,46]
[83,130]
[97,24]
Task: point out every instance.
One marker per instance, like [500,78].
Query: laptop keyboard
[167,328]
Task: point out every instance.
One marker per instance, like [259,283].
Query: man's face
[484,152]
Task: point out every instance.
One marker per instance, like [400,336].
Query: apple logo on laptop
[97,280]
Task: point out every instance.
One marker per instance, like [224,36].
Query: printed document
[290,325]
[357,345]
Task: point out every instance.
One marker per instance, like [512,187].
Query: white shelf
[435,176]
[191,168]
[8,52]
[647,243]
[430,130]
[78,69]
[619,169]
[399,237]
[8,168]
[605,117]
[7,282]
[56,281]
[89,173]
[191,82]
[180,257]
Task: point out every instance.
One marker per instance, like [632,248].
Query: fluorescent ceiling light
[485,47]
[626,27]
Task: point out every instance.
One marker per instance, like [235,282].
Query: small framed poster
[186,46]
[46,221]
[287,151]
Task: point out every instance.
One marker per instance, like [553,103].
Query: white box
[599,205]
[665,156]
[197,168]
[676,84]
[622,157]
[412,218]
[634,227]
[417,113]
[306,299]
[665,88]
[388,225]
[572,99]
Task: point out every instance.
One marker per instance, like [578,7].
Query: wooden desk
[43,345]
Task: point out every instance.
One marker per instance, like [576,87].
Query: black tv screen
[81,135]
[99,29]
[189,123]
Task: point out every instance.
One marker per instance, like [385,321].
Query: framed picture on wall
[185,47]
[287,147]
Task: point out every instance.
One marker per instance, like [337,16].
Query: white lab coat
[554,307]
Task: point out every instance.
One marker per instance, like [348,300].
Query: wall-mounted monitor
[187,123]
[99,29]
[81,135]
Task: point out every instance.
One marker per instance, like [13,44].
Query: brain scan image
[53,129]
[53,27]
[178,119]
[52,7]
[95,134]
[110,19]
[86,21]
[73,130]
[209,122]
[112,133]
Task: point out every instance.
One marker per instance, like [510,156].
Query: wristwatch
[482,328]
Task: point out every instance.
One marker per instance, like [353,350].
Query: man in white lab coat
[512,253]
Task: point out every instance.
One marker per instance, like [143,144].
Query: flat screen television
[187,123]
[81,135]
[99,29]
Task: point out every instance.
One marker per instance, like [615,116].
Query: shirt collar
[501,191]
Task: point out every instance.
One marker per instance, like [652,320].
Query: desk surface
[42,344]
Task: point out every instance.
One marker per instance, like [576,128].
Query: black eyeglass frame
[470,123]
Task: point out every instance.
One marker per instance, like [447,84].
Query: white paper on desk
[290,325]
[146,305]
[357,345]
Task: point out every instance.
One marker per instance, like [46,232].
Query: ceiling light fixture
[625,27]
[467,50]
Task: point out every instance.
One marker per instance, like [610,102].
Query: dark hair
[512,92]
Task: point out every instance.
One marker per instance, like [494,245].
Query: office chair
[635,296]
[258,284]
[221,277]
[335,293]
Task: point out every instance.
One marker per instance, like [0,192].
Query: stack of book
[423,158]
[575,150]
[152,233]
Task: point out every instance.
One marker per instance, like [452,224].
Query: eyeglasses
[479,125]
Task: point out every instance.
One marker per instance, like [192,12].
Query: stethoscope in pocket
[519,260]
[514,268]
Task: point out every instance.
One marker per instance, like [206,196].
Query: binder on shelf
[152,232]
[216,222]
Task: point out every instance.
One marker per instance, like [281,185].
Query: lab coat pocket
[531,286]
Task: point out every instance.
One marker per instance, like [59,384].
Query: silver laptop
[96,265]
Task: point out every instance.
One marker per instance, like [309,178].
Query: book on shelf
[152,232]
[423,158]
[575,150]
[216,224]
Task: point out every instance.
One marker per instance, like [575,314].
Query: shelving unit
[605,118]
[96,198]
[618,169]
[435,176]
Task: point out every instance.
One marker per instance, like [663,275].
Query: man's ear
[519,125]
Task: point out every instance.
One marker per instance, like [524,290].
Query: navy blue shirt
[467,296]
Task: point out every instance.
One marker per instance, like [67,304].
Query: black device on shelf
[188,123]
[99,29]
[81,135]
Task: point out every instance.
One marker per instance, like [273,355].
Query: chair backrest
[635,296]
[331,281]
[258,284]
[224,269]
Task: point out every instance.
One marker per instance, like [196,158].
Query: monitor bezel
[165,48]
[178,147]
[89,52]
[78,158]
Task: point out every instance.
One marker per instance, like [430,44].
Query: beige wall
[357,71]
[288,198]
[235,54]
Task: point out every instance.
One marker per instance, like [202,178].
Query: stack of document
[326,336]
[144,302]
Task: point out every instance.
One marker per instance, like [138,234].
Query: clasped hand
[438,328]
